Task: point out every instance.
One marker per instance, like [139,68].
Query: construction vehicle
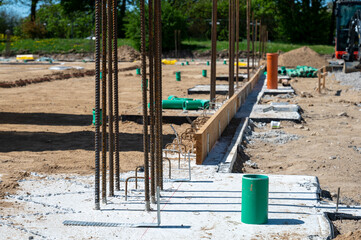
[348,34]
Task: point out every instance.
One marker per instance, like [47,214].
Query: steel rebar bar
[253,34]
[97,104]
[144,101]
[237,42]
[104,105]
[110,99]
[256,30]
[248,40]
[213,54]
[116,94]
[151,98]
[231,49]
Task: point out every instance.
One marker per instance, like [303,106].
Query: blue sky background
[24,10]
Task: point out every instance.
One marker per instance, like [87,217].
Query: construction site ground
[45,128]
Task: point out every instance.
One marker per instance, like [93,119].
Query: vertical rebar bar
[248,32]
[256,34]
[260,42]
[104,104]
[156,90]
[214,54]
[237,42]
[116,94]
[144,101]
[97,104]
[160,95]
[265,50]
[231,49]
[253,34]
[151,98]
[110,99]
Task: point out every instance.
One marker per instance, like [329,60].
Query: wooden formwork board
[208,135]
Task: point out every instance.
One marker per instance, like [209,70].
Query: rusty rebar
[97,104]
[144,101]
[151,98]
[213,54]
[160,94]
[253,34]
[110,99]
[116,94]
[248,33]
[237,42]
[104,104]
[156,91]
[126,186]
[256,34]
[260,42]
[231,49]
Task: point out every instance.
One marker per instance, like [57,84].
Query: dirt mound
[302,56]
[350,236]
[128,54]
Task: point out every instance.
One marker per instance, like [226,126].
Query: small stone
[310,105]
[332,157]
[308,141]
[342,114]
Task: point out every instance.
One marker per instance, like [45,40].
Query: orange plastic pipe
[272,70]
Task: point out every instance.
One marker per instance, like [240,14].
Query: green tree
[172,19]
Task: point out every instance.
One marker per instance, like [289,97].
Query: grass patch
[271,47]
[56,45]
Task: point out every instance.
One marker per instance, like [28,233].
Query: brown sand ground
[46,127]
[326,149]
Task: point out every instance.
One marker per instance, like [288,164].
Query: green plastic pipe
[137,71]
[204,73]
[172,104]
[187,63]
[192,105]
[254,199]
[177,76]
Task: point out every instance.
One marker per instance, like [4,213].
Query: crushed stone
[272,136]
[349,79]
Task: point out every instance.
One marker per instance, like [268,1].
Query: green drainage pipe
[254,199]
[172,104]
[138,71]
[177,76]
[207,63]
[225,62]
[100,116]
[195,104]
[182,64]
[204,73]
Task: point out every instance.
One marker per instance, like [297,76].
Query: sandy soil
[330,136]
[46,127]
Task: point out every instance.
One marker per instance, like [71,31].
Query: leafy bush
[30,29]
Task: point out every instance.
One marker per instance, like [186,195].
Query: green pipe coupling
[255,199]
[204,73]
[177,76]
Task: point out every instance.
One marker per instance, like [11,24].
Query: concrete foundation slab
[207,206]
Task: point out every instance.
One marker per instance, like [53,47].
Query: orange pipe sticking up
[272,70]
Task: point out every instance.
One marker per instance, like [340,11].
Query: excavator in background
[348,34]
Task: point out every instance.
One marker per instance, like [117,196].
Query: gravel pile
[272,136]
[349,79]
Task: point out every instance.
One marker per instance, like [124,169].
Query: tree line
[296,21]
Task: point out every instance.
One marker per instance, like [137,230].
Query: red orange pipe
[272,70]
